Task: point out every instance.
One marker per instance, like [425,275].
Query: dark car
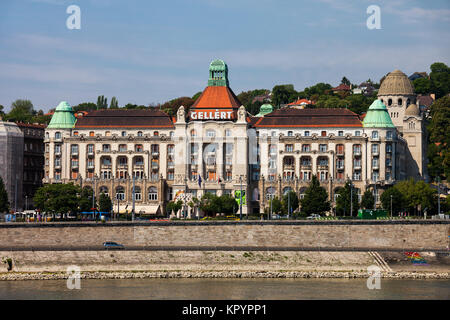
[112,245]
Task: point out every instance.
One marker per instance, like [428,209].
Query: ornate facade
[217,147]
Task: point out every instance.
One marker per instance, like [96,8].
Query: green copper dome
[377,116]
[264,109]
[63,117]
[218,74]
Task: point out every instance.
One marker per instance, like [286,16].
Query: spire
[218,74]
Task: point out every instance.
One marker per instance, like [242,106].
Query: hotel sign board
[211,115]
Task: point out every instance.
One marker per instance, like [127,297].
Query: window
[374,134]
[57,135]
[289,148]
[389,102]
[91,133]
[106,161]
[340,133]
[155,149]
[357,133]
[106,148]
[306,133]
[75,133]
[306,148]
[90,148]
[122,147]
[152,194]
[289,133]
[274,134]
[357,176]
[228,133]
[375,162]
[389,135]
[171,134]
[170,149]
[107,133]
[138,148]
[400,102]
[273,149]
[156,133]
[139,134]
[170,175]
[272,163]
[137,193]
[357,149]
[210,133]
[104,190]
[340,149]
[74,149]
[375,175]
[375,148]
[193,133]
[323,133]
[322,147]
[389,147]
[57,148]
[120,193]
[123,133]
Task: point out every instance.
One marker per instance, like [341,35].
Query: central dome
[396,83]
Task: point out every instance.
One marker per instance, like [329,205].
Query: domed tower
[397,93]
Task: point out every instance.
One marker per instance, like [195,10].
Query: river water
[249,289]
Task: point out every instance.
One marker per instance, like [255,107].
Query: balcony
[155,154]
[122,166]
[170,165]
[138,167]
[375,152]
[322,167]
[58,152]
[306,167]
[289,167]
[375,166]
[74,165]
[340,166]
[74,153]
[155,165]
[90,153]
[340,152]
[357,152]
[106,166]
[90,165]
[57,165]
[357,165]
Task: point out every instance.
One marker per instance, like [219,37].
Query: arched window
[193,133]
[286,190]
[123,133]
[91,133]
[57,135]
[75,133]
[389,102]
[139,134]
[120,193]
[270,193]
[152,194]
[227,132]
[156,133]
[104,190]
[137,193]
[47,136]
[290,133]
[400,101]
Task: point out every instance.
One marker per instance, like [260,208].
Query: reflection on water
[226,289]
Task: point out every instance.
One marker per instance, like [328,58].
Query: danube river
[247,289]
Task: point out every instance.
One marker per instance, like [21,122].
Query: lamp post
[375,196]
[391,205]
[185,193]
[240,201]
[134,197]
[439,194]
[351,198]
[289,203]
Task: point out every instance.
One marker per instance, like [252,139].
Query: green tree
[438,152]
[345,81]
[422,86]
[102,102]
[367,200]
[276,206]
[398,201]
[416,194]
[210,204]
[440,79]
[2,112]
[174,206]
[21,111]
[197,95]
[228,204]
[104,203]
[315,199]
[4,203]
[58,198]
[85,202]
[114,103]
[289,199]
[344,200]
[85,106]
[282,94]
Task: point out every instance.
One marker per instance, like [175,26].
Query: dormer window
[123,133]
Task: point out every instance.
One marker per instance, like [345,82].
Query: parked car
[112,245]
[313,216]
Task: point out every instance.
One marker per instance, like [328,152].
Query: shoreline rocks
[17,276]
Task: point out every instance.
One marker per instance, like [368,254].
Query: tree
[367,200]
[58,198]
[174,206]
[345,81]
[422,86]
[398,201]
[85,202]
[276,206]
[104,203]
[316,199]
[438,152]
[228,204]
[85,106]
[21,111]
[197,95]
[114,103]
[4,203]
[416,194]
[102,102]
[290,199]
[440,79]
[283,94]
[210,204]
[2,113]
[346,200]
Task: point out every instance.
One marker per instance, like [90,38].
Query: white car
[313,216]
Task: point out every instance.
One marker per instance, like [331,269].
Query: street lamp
[351,198]
[240,201]
[391,205]
[185,193]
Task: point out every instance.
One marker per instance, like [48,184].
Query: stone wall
[293,234]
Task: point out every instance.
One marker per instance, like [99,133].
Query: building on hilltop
[397,93]
[217,147]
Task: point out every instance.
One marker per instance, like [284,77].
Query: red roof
[291,117]
[215,98]
[342,87]
[301,101]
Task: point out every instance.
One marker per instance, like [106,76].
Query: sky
[145,52]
